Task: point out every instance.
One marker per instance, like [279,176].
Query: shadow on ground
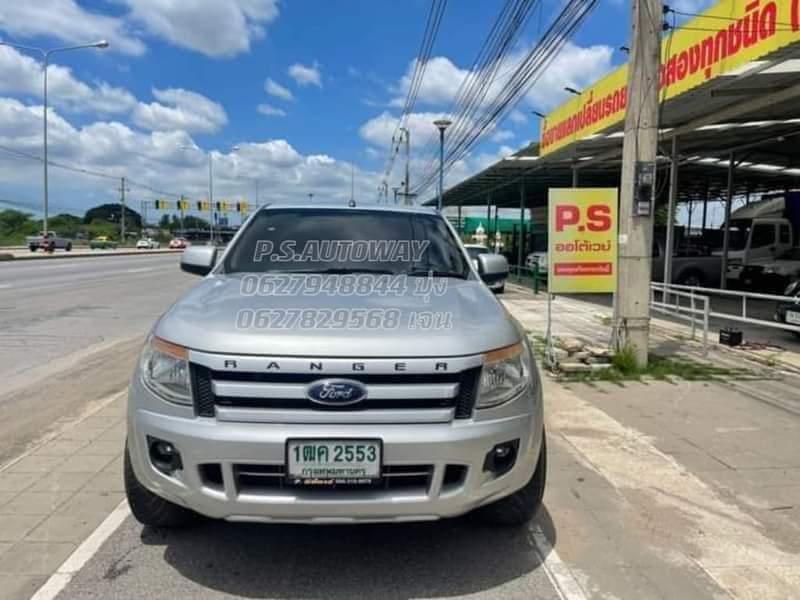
[439,559]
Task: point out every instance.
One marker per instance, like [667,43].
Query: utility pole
[122,190]
[637,194]
[407,183]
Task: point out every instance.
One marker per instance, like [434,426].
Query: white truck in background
[35,242]
[762,231]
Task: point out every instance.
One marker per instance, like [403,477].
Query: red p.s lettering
[598,217]
[567,214]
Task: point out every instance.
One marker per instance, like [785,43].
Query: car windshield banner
[582,239]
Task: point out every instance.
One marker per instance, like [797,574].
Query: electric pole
[638,182]
[122,190]
[406,188]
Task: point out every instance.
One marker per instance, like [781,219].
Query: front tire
[150,509]
[521,506]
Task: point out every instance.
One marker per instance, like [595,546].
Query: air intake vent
[467,392]
[203,394]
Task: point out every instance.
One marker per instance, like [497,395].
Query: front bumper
[206,440]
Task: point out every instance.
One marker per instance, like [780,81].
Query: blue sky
[327,76]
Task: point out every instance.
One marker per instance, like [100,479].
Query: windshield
[317,240]
[739,232]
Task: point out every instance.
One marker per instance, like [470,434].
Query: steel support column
[673,194]
[727,229]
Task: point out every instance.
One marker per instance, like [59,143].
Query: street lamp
[210,186]
[441,125]
[45,54]
[572,90]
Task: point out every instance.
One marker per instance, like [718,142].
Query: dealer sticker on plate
[333,462]
[793,317]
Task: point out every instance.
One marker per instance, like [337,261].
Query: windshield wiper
[434,273]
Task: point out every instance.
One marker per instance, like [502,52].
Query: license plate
[793,317]
[333,462]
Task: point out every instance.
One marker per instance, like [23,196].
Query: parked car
[537,258]
[496,283]
[789,312]
[147,244]
[102,242]
[771,276]
[51,239]
[362,406]
[690,266]
[177,243]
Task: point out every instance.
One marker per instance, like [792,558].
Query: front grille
[255,478]
[205,400]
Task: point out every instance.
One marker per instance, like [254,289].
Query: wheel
[150,509]
[521,506]
[32,248]
[691,278]
[501,289]
[69,248]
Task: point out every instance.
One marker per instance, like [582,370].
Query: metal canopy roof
[753,112]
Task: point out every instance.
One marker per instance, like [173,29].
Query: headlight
[505,374]
[165,370]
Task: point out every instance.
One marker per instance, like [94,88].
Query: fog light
[164,456]
[501,458]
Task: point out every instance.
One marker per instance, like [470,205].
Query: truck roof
[344,207]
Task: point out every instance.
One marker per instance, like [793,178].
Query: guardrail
[688,313]
[528,276]
[743,317]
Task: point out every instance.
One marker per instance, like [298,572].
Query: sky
[288,97]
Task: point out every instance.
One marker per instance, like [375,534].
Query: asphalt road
[69,332]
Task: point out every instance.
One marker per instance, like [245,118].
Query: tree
[15,225]
[112,213]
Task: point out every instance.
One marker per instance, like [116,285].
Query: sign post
[582,245]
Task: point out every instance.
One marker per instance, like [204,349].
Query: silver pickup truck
[336,365]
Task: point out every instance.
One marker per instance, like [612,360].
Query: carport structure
[733,135]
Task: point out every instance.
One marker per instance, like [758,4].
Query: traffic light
[242,207]
[183,205]
[226,206]
[218,206]
[199,205]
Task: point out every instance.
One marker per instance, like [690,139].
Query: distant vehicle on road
[789,312]
[497,282]
[102,242]
[537,258]
[52,239]
[177,243]
[147,244]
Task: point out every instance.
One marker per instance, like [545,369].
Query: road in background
[70,331]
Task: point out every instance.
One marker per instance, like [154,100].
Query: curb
[35,256]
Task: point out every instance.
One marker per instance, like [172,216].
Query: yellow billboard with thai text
[582,240]
[727,36]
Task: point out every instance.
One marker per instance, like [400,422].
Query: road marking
[83,553]
[4,286]
[140,270]
[559,574]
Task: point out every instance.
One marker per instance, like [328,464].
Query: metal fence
[685,311]
[531,277]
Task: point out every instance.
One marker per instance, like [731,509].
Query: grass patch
[661,368]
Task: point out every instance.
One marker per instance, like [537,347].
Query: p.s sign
[582,240]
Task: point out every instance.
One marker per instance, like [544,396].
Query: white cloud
[270,111]
[156,159]
[179,109]
[23,75]
[217,28]
[378,130]
[517,117]
[574,66]
[273,88]
[67,21]
[304,75]
[503,135]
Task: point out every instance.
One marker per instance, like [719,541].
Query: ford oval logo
[336,392]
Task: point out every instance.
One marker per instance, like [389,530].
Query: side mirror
[493,268]
[198,260]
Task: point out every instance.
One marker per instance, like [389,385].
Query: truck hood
[206,319]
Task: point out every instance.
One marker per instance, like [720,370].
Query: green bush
[625,360]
